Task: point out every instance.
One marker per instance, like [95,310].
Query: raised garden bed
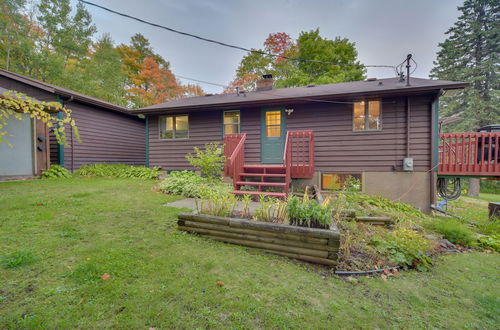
[307,244]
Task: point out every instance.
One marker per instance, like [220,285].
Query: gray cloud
[384,30]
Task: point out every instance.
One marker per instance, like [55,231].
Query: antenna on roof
[408,59]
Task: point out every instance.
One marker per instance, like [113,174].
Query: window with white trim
[367,116]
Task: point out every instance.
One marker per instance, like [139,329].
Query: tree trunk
[473,187]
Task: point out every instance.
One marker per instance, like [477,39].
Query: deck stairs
[269,179]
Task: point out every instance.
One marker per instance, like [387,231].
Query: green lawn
[63,235]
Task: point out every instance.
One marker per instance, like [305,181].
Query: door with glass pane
[272,135]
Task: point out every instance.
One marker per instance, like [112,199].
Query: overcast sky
[384,30]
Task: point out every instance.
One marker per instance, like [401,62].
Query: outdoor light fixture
[289,111]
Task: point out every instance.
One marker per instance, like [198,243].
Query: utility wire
[226,44]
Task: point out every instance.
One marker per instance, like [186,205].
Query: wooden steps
[263,177]
[258,193]
[266,184]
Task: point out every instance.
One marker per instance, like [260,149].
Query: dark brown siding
[107,137]
[337,147]
[204,127]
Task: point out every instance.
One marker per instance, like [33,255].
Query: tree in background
[470,53]
[291,73]
[148,76]
[57,46]
[103,73]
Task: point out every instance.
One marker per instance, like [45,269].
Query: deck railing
[299,153]
[469,154]
[234,151]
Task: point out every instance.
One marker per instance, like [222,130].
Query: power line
[226,44]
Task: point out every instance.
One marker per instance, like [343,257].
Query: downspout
[434,145]
[60,147]
[147,142]
[408,114]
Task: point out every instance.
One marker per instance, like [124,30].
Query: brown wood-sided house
[383,132]
[109,133]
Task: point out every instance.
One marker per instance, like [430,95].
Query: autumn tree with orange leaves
[279,47]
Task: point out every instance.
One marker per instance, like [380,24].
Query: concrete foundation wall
[409,187]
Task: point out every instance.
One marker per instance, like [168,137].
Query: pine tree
[471,54]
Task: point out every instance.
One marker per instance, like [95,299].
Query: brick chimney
[266,83]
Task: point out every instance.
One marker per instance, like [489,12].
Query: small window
[367,116]
[174,127]
[231,122]
[273,123]
[337,181]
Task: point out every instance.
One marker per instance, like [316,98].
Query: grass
[81,229]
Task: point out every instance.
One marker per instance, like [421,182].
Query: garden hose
[443,187]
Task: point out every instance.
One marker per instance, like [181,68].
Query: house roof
[65,93]
[307,93]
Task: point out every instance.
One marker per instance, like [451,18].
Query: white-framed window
[174,127]
[367,115]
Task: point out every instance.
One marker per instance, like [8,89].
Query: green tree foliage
[470,53]
[57,45]
[288,73]
[105,77]
[16,35]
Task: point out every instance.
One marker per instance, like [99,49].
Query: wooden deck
[469,154]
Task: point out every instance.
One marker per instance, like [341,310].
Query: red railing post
[473,154]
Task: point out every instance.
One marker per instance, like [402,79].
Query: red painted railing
[299,153]
[469,154]
[234,151]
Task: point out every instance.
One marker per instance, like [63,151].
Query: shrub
[309,213]
[210,162]
[490,242]
[119,171]
[18,259]
[453,230]
[56,171]
[189,184]
[404,247]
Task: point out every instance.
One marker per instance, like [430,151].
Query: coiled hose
[449,188]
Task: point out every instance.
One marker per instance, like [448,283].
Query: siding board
[337,147]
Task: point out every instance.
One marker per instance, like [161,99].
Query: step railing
[299,153]
[469,154]
[234,152]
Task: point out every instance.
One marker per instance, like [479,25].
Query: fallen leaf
[272,264]
[384,277]
[386,271]
[105,276]
[220,283]
[39,204]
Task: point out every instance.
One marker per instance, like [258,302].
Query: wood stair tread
[275,175]
[258,193]
[264,166]
[267,184]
